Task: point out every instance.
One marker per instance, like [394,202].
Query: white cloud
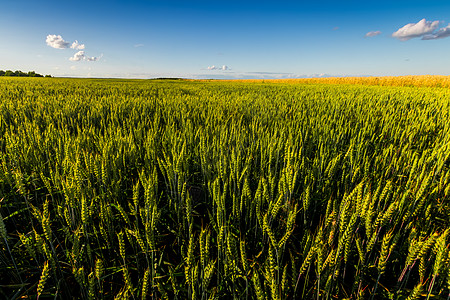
[80,55]
[138,45]
[222,68]
[57,42]
[77,46]
[373,33]
[440,34]
[413,30]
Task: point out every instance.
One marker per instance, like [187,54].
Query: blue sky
[225,39]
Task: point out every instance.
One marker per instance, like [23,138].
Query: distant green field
[180,189]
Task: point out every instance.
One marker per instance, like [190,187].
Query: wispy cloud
[222,68]
[138,45]
[373,33]
[440,34]
[263,75]
[414,30]
[80,55]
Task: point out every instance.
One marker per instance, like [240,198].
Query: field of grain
[173,189]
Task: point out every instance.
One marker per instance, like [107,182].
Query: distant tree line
[21,74]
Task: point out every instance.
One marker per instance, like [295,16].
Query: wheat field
[176,189]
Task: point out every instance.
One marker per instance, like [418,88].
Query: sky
[225,39]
